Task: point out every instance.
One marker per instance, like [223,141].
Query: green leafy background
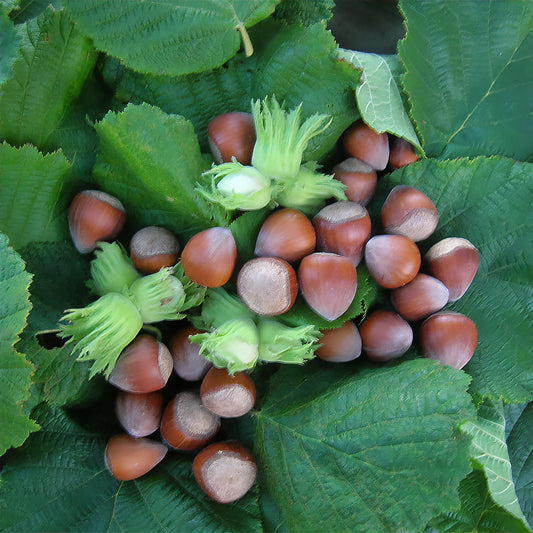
[469,75]
[15,370]
[89,98]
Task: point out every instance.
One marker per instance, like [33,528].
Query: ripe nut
[360,179]
[409,212]
[455,262]
[287,234]
[341,344]
[328,283]
[232,135]
[144,366]
[225,471]
[386,335]
[139,414]
[210,256]
[420,298]
[392,260]
[449,337]
[187,424]
[267,285]
[94,216]
[366,144]
[401,153]
[129,458]
[153,248]
[226,395]
[343,228]
[188,363]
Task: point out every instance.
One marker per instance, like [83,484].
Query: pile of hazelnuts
[192,418]
[294,254]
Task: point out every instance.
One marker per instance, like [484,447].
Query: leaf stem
[248,46]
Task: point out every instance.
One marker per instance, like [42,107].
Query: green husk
[309,190]
[218,308]
[102,330]
[233,345]
[194,293]
[284,344]
[281,138]
[235,186]
[112,270]
[158,296]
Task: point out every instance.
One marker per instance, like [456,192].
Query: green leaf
[245,229]
[151,161]
[299,65]
[301,314]
[470,77]
[489,452]
[378,97]
[61,378]
[58,482]
[34,195]
[28,9]
[478,512]
[56,286]
[304,12]
[376,450]
[488,202]
[75,134]
[520,446]
[172,37]
[52,65]
[15,370]
[9,43]
[294,63]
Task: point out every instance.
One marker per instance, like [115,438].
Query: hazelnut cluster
[192,418]
[189,421]
[315,257]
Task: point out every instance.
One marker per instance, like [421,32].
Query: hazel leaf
[15,370]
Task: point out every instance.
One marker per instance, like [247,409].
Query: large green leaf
[470,76]
[151,161]
[15,370]
[9,43]
[52,65]
[378,97]
[172,36]
[478,512]
[490,454]
[296,64]
[61,379]
[58,482]
[520,447]
[34,195]
[488,202]
[377,450]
